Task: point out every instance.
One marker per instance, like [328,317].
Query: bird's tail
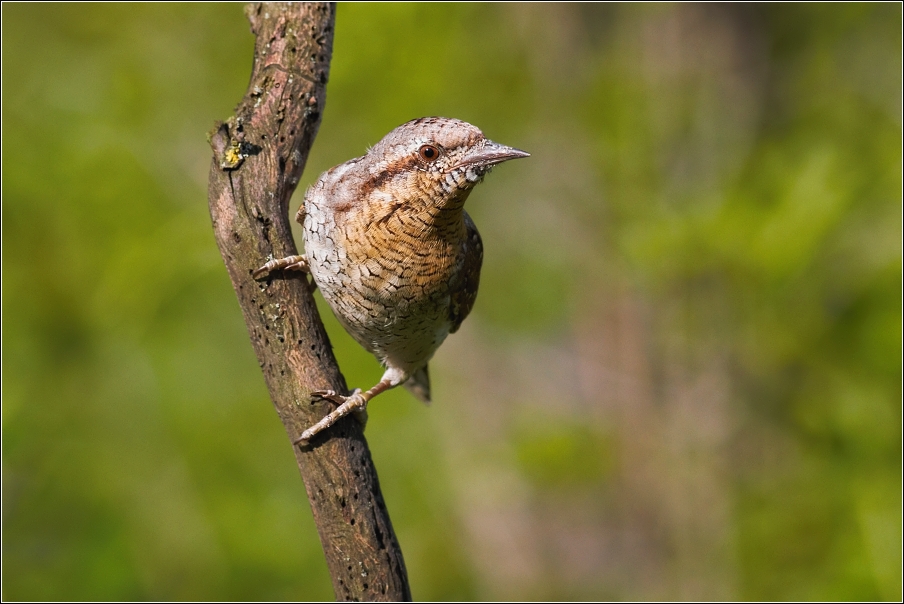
[419,385]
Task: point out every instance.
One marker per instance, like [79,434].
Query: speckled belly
[391,293]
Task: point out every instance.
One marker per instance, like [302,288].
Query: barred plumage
[392,250]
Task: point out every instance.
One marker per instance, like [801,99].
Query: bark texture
[258,158]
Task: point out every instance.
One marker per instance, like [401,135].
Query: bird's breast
[387,274]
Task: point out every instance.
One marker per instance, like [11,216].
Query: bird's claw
[289,263]
[354,404]
[333,396]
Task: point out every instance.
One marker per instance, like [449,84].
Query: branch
[259,155]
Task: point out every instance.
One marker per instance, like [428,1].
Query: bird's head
[434,160]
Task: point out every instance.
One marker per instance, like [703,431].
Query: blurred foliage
[682,377]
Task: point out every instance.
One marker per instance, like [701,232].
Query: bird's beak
[490,154]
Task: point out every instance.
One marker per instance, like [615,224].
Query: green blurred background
[682,377]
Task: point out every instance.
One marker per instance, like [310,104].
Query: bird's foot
[331,396]
[289,263]
[359,413]
[355,403]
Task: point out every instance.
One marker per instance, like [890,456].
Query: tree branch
[259,155]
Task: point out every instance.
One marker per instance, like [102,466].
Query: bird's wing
[464,295]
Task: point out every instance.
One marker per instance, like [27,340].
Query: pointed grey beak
[490,154]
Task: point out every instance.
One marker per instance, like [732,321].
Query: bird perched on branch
[392,250]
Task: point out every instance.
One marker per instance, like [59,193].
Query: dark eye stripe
[394,169]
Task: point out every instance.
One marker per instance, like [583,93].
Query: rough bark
[259,155]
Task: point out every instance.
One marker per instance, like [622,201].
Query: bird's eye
[428,152]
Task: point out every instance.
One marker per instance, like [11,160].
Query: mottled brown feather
[389,245]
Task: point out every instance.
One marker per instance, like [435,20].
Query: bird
[393,252]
